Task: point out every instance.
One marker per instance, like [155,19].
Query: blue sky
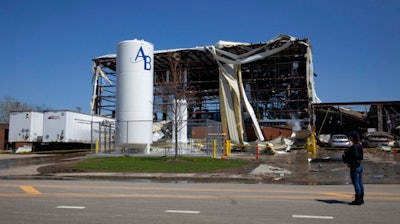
[47,46]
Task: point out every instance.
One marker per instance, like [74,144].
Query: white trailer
[25,126]
[71,127]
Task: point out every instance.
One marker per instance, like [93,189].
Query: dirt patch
[327,167]
[61,167]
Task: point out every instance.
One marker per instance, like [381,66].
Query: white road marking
[183,211]
[71,207]
[312,217]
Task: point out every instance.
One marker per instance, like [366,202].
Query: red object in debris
[224,157]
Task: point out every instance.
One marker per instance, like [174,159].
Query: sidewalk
[16,164]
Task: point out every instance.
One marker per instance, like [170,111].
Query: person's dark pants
[356,179]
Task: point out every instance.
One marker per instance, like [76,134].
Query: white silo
[134,103]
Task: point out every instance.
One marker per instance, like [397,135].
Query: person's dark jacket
[353,155]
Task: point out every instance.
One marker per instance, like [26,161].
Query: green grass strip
[158,164]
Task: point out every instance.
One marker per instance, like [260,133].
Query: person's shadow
[332,201]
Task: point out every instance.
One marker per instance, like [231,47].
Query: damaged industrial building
[249,91]
[380,119]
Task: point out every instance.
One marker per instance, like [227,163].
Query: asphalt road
[48,201]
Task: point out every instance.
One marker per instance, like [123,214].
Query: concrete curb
[165,177]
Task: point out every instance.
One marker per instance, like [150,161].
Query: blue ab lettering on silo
[146,59]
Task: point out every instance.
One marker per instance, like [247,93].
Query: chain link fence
[195,137]
[103,136]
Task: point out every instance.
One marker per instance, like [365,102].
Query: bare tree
[176,93]
[9,104]
[78,109]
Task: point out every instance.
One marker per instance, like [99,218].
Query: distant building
[3,136]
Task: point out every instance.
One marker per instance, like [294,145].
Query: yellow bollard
[215,149]
[311,144]
[314,143]
[228,147]
[96,147]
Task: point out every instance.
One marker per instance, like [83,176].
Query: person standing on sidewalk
[353,157]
